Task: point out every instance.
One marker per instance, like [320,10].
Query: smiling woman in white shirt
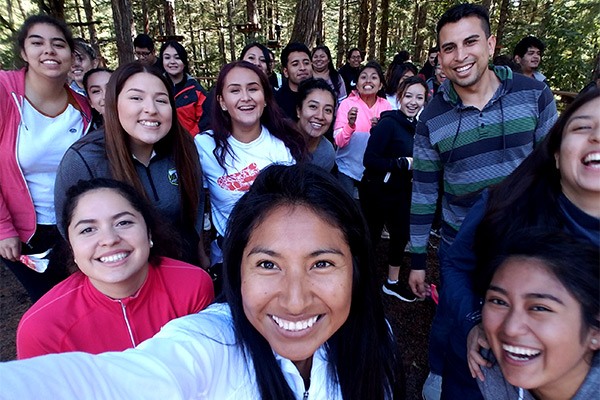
[301,319]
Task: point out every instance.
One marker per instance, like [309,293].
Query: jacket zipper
[305,397]
[123,308]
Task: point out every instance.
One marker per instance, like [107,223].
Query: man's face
[465,51]
[355,59]
[531,60]
[431,59]
[144,55]
[298,68]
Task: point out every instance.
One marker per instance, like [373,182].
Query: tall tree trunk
[372,29]
[123,20]
[145,19]
[341,43]
[89,16]
[384,28]
[192,36]
[170,22]
[305,27]
[421,21]
[55,8]
[231,32]
[504,10]
[79,21]
[252,18]
[363,23]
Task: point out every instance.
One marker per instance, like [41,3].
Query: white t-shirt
[227,186]
[41,144]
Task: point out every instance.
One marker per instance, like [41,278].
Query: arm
[547,114]
[375,157]
[342,131]
[343,94]
[71,169]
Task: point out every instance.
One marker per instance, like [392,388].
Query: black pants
[37,284]
[389,206]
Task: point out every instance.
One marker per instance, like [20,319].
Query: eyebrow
[34,36]
[542,296]
[143,91]
[272,253]
[578,117]
[92,220]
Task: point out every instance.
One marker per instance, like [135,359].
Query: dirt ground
[410,321]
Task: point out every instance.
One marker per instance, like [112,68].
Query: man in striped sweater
[478,128]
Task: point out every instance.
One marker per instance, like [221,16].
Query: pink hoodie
[17,214]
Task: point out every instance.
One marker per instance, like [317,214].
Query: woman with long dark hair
[557,187]
[323,68]
[143,144]
[249,133]
[302,317]
[189,94]
[41,118]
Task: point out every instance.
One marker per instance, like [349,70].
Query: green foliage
[570,29]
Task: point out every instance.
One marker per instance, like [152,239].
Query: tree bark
[305,22]
[504,10]
[341,43]
[89,16]
[170,21]
[363,23]
[383,30]
[372,29]
[123,20]
[192,36]
[230,6]
[145,19]
[55,8]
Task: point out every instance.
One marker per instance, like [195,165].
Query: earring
[224,108]
[151,243]
[594,341]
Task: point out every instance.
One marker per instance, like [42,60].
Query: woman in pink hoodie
[357,114]
[41,118]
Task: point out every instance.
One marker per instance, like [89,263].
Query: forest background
[214,31]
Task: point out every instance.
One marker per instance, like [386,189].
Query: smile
[592,159]
[53,62]
[114,257]
[149,123]
[316,125]
[295,326]
[465,68]
[246,108]
[520,353]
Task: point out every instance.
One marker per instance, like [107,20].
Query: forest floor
[410,322]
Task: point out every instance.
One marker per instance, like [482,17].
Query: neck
[47,95]
[369,99]
[142,153]
[293,87]
[176,78]
[246,134]
[479,94]
[304,367]
[324,73]
[312,142]
[587,202]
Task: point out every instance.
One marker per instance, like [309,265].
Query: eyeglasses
[142,54]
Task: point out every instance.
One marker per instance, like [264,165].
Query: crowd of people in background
[132,197]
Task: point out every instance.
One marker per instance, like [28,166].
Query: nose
[595,134]
[149,106]
[515,323]
[296,293]
[460,53]
[109,237]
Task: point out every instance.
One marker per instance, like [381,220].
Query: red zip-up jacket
[188,101]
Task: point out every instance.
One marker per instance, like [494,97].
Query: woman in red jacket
[41,118]
[189,94]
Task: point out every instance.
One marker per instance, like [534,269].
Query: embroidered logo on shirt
[173,178]
[240,181]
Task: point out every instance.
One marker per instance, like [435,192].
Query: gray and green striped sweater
[468,149]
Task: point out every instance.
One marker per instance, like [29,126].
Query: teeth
[149,123]
[462,69]
[49,62]
[591,158]
[114,257]
[247,108]
[316,125]
[368,87]
[295,326]
[520,351]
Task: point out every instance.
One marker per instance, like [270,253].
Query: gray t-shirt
[324,155]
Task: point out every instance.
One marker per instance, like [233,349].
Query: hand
[475,341]
[416,281]
[352,113]
[203,258]
[374,121]
[10,248]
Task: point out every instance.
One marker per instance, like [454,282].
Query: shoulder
[180,272]
[213,323]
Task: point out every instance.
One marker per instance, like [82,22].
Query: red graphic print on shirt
[240,181]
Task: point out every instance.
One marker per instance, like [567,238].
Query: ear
[491,45]
[23,56]
[595,339]
[221,103]
[517,59]
[95,63]
[557,159]
[285,73]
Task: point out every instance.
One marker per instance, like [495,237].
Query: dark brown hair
[177,142]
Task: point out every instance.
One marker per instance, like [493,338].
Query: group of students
[300,314]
